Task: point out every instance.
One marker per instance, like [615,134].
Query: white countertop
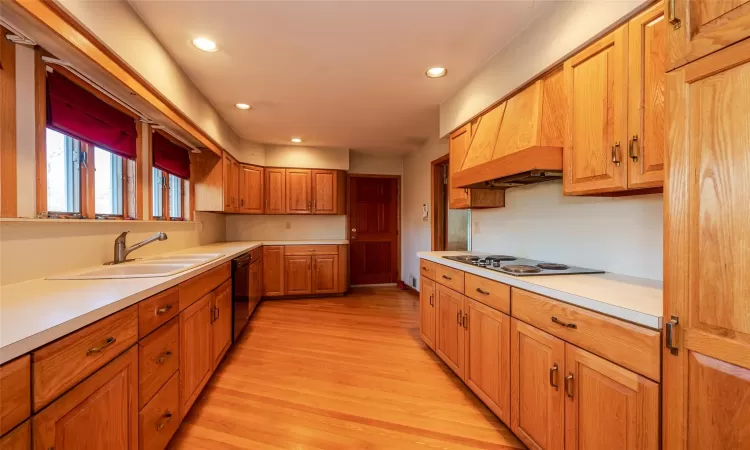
[36,312]
[636,300]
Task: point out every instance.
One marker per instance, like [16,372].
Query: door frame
[398,216]
[439,208]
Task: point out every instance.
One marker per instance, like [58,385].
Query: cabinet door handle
[631,152]
[164,309]
[447,277]
[465,321]
[213,314]
[163,357]
[676,23]
[431,301]
[569,385]
[242,202]
[564,324]
[671,334]
[110,340]
[458,317]
[167,416]
[483,292]
[615,156]
[216,310]
[553,376]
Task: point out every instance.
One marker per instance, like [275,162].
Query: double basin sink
[159,266]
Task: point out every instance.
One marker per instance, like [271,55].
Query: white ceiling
[337,74]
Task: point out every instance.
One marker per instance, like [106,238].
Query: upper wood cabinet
[461,198]
[697,28]
[273,270]
[328,192]
[275,188]
[298,195]
[450,332]
[230,168]
[216,182]
[251,189]
[707,367]
[221,322]
[427,300]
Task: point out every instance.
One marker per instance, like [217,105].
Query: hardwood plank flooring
[338,373]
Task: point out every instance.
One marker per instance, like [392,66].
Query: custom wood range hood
[518,142]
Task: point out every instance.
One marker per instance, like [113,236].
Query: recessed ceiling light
[436,72]
[207,45]
[296,140]
[242,106]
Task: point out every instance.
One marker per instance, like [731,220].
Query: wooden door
[297,275]
[607,406]
[706,286]
[325,275]
[427,300]
[460,198]
[273,270]
[275,191]
[594,154]
[100,412]
[196,361]
[221,322]
[450,334]
[488,357]
[700,27]
[251,189]
[374,221]
[325,191]
[646,99]
[537,414]
[298,186]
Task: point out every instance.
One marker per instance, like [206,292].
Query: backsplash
[622,235]
[285,228]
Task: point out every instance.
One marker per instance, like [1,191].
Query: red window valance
[170,156]
[78,113]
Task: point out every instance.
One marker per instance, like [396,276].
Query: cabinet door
[221,322]
[18,439]
[196,360]
[226,170]
[537,366]
[488,357]
[325,192]
[100,412]
[273,270]
[707,201]
[450,333]
[460,198]
[427,300]
[607,406]
[700,27]
[275,188]
[325,274]
[297,275]
[235,186]
[256,284]
[251,189]
[596,119]
[647,107]
[298,184]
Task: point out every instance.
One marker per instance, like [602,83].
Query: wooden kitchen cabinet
[607,406]
[251,189]
[328,192]
[230,170]
[196,358]
[460,198]
[697,28]
[298,187]
[221,322]
[537,414]
[325,274]
[275,187]
[256,284]
[450,334]
[15,393]
[427,314]
[297,274]
[18,439]
[100,412]
[706,364]
[273,270]
[488,357]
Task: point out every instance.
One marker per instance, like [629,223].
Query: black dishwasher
[240,294]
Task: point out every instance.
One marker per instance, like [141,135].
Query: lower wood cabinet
[427,301]
[305,269]
[159,420]
[325,274]
[100,412]
[196,360]
[450,334]
[18,439]
[273,270]
[158,360]
[297,275]
[221,322]
[256,284]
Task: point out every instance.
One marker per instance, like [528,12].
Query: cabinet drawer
[158,359]
[450,277]
[427,269]
[631,346]
[300,250]
[158,421]
[489,292]
[60,365]
[195,288]
[18,439]
[15,393]
[157,310]
[255,254]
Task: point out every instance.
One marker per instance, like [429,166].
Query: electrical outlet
[288,225]
[476,227]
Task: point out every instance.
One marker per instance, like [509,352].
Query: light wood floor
[339,373]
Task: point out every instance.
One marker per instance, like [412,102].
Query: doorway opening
[451,228]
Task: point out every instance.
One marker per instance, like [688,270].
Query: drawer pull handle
[163,310]
[458,317]
[482,291]
[167,417]
[465,321]
[431,301]
[447,277]
[110,340]
[673,17]
[569,385]
[564,324]
[163,357]
[553,377]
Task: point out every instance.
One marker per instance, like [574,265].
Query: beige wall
[307,157]
[375,164]
[284,228]
[36,249]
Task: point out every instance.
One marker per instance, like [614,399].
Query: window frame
[166,190]
[8,169]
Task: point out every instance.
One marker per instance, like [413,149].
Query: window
[168,196]
[109,183]
[63,174]
[175,197]
[157,193]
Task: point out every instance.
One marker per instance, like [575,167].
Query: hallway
[338,373]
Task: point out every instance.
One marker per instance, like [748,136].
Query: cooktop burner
[519,267]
